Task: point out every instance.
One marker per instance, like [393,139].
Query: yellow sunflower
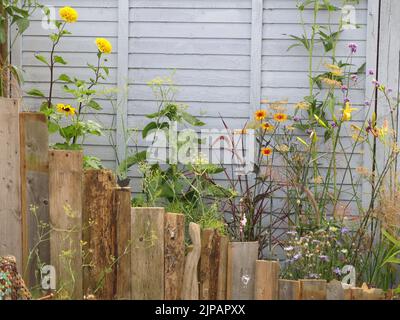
[260,114]
[104,45]
[331,82]
[66,109]
[334,69]
[266,151]
[68,14]
[280,117]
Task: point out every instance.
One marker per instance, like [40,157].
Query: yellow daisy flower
[335,70]
[331,82]
[302,105]
[280,117]
[347,112]
[104,45]
[267,126]
[260,115]
[68,14]
[266,151]
[66,109]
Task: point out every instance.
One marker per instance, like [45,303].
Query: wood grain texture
[190,288]
[209,264]
[222,268]
[147,253]
[122,206]
[99,233]
[242,258]
[34,140]
[335,291]
[266,281]
[174,255]
[289,290]
[10,206]
[313,289]
[65,210]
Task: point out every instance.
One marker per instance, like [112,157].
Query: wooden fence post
[99,233]
[10,206]
[334,290]
[174,255]
[122,206]
[266,280]
[34,139]
[65,209]
[289,290]
[148,253]
[313,289]
[190,288]
[209,264]
[222,268]
[242,258]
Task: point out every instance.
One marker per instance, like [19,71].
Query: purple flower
[345,88]
[309,131]
[344,230]
[367,103]
[337,271]
[324,258]
[333,124]
[313,276]
[353,47]
[389,90]
[297,256]
[354,77]
[371,72]
[375,83]
[296,119]
[346,100]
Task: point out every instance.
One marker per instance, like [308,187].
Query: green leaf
[94,105]
[42,59]
[65,78]
[90,162]
[52,127]
[148,128]
[36,93]
[130,161]
[22,24]
[192,119]
[60,60]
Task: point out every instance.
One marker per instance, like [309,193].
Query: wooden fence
[55,213]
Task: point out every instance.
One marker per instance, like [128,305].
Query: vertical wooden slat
[122,206]
[99,233]
[313,289]
[209,264]
[147,253]
[242,258]
[190,288]
[222,268]
[289,290]
[65,210]
[174,243]
[266,281]
[34,140]
[334,290]
[10,206]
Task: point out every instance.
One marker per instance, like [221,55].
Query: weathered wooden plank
[10,208]
[266,280]
[209,264]
[289,290]
[122,206]
[147,253]
[335,291]
[190,287]
[99,233]
[242,258]
[313,289]
[34,141]
[65,210]
[174,255]
[222,268]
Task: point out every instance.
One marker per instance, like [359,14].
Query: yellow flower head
[267,126]
[260,115]
[280,117]
[331,82]
[68,14]
[66,109]
[302,105]
[347,112]
[104,45]
[335,70]
[266,151]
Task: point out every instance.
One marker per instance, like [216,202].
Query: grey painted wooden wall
[227,55]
